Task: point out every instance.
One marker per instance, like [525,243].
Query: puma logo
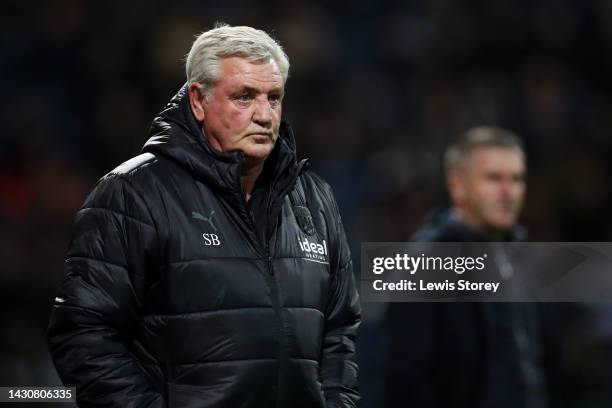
[208,219]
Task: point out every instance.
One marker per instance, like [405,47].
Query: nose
[262,115]
[510,189]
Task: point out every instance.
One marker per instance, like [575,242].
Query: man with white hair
[212,269]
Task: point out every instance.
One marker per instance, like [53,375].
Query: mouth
[263,134]
[261,137]
[505,210]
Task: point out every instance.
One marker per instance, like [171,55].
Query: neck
[248,177]
[474,223]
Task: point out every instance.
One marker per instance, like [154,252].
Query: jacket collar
[175,133]
[446,226]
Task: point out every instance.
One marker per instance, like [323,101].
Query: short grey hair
[478,137]
[223,41]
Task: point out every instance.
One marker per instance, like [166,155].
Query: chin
[503,225]
[259,152]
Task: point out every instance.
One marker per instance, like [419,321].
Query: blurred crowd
[376,91]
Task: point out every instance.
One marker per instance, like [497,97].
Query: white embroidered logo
[313,251]
[211,239]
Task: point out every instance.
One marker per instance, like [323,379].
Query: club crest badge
[304,219]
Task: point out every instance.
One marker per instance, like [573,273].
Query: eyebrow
[251,89]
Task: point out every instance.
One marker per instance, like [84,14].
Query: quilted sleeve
[113,246]
[343,316]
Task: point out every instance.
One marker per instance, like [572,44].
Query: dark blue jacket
[464,355]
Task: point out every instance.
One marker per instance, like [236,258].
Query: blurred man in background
[472,355]
[213,269]
[485,174]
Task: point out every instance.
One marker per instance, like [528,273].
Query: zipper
[275,295]
[282,328]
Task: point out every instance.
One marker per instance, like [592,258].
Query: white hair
[223,41]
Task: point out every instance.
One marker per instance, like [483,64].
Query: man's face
[242,111]
[489,188]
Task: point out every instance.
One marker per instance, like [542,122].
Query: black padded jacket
[171,298]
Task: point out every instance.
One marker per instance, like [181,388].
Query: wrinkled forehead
[241,69]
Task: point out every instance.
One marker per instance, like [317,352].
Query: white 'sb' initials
[211,239]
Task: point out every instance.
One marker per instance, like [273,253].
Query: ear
[456,189]
[196,100]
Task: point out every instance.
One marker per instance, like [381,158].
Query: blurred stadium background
[376,91]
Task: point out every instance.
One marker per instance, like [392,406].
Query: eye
[275,99]
[493,177]
[243,99]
